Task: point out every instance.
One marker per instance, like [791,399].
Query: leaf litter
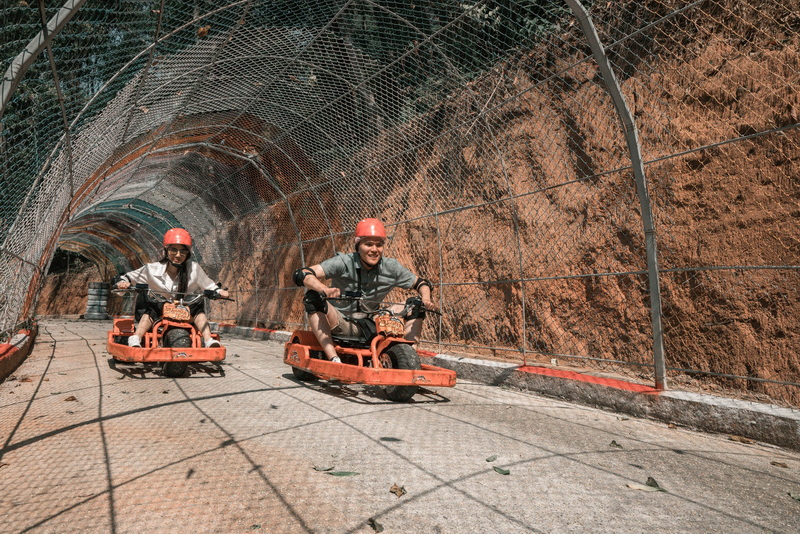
[398,490]
[650,485]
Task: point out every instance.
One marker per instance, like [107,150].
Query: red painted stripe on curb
[11,356]
[610,382]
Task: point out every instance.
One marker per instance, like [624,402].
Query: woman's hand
[123,284]
[224,293]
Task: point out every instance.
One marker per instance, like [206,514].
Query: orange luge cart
[172,340]
[386,360]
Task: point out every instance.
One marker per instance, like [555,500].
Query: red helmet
[370,228]
[177,236]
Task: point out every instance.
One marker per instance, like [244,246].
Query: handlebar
[187,298]
[411,304]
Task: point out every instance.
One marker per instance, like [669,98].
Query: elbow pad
[300,274]
[423,282]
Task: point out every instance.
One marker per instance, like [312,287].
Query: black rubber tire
[304,376]
[176,338]
[403,356]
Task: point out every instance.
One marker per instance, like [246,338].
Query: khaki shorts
[345,328]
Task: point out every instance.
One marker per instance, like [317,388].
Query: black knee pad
[314,302]
[417,310]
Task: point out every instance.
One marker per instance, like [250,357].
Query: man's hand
[331,292]
[429,305]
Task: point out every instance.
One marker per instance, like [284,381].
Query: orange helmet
[370,228]
[177,236]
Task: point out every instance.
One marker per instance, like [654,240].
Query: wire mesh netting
[611,185]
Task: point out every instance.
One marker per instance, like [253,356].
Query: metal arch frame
[75,5]
[213,57]
[246,160]
[20,65]
[635,151]
[149,221]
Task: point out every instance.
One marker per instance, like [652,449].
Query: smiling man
[365,273]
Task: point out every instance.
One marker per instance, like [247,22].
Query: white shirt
[156,277]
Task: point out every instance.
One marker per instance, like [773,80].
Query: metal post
[16,71]
[635,151]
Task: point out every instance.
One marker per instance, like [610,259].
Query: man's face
[370,250]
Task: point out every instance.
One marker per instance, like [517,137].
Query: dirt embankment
[66,293]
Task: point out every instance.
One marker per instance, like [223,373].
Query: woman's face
[177,253]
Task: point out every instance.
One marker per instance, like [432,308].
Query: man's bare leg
[321,325]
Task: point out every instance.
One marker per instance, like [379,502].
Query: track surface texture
[89,446]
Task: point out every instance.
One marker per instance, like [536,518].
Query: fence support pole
[635,151]
[20,64]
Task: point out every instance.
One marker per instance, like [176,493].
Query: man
[365,273]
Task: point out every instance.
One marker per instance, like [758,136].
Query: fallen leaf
[779,464]
[3,464]
[492,458]
[795,496]
[342,473]
[502,471]
[740,439]
[642,487]
[398,490]
[615,444]
[165,391]
[26,379]
[652,483]
[71,398]
[377,527]
[202,31]
[323,468]
[672,425]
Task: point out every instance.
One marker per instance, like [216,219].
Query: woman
[174,273]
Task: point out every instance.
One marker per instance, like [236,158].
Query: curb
[13,353]
[246,332]
[707,413]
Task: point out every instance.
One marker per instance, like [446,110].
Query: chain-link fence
[612,185]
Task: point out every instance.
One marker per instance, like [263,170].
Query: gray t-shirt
[343,271]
